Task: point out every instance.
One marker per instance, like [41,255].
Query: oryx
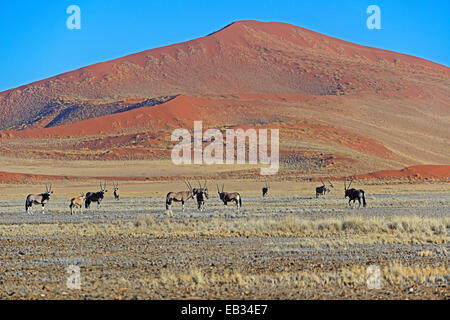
[228,197]
[181,196]
[77,202]
[265,190]
[354,194]
[95,196]
[322,190]
[116,191]
[201,194]
[41,199]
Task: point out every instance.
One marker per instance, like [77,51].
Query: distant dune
[340,107]
[414,172]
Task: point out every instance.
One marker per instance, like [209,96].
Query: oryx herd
[200,194]
[75,203]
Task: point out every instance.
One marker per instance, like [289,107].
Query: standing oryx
[228,197]
[354,194]
[41,199]
[116,191]
[201,195]
[322,190]
[95,196]
[265,190]
[77,202]
[181,196]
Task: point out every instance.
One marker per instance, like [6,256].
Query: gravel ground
[430,204]
[216,267]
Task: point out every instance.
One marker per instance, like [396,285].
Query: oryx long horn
[217,188]
[330,183]
[223,186]
[345,184]
[205,184]
[350,183]
[188,185]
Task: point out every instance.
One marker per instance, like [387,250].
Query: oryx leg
[43,210]
[182,205]
[168,204]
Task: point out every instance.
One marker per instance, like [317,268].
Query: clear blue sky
[36,44]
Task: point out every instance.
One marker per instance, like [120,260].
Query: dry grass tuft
[399,229]
[395,274]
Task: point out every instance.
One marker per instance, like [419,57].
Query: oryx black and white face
[48,191]
[346,189]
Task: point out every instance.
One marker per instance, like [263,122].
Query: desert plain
[289,245]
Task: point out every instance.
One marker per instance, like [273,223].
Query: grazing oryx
[95,196]
[228,197]
[322,190]
[354,194]
[181,196]
[265,190]
[41,199]
[201,195]
[116,191]
[77,202]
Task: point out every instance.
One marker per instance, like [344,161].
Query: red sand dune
[374,107]
[414,172]
[113,132]
[245,57]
